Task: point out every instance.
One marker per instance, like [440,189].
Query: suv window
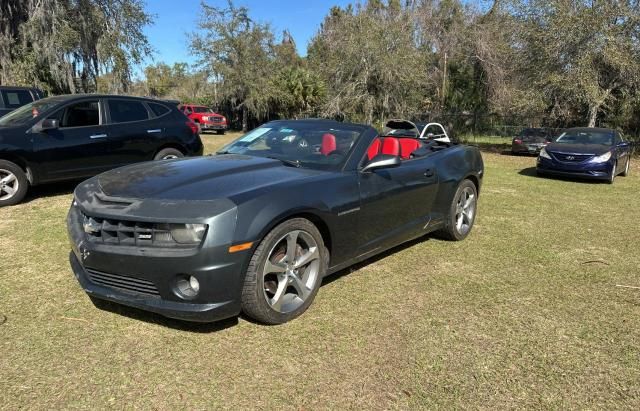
[84,114]
[16,98]
[158,109]
[123,111]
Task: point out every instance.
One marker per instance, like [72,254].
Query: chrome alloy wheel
[465,210]
[170,157]
[291,270]
[9,184]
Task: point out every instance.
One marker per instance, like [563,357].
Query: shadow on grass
[50,190]
[146,316]
[149,317]
[531,172]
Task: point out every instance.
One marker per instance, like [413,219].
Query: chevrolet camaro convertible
[257,226]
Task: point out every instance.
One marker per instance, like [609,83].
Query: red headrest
[328,144]
[390,146]
[408,146]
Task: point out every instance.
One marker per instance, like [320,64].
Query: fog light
[188,286]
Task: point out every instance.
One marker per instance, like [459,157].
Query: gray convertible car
[257,226]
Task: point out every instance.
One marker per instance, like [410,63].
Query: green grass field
[526,312]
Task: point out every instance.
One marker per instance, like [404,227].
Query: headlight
[188,233]
[601,159]
[206,118]
[180,233]
[544,154]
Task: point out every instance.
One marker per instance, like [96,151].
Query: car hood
[592,149]
[202,178]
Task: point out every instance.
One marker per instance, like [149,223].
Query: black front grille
[571,158]
[132,233]
[121,282]
[216,119]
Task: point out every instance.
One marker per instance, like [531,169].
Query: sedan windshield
[586,137]
[318,145]
[27,112]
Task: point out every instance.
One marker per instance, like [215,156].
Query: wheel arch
[20,162]
[312,215]
[475,180]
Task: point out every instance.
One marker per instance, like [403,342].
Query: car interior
[79,115]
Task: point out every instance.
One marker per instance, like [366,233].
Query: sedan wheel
[285,272]
[462,212]
[612,175]
[13,183]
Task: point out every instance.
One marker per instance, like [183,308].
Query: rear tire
[13,183]
[625,173]
[462,213]
[168,154]
[285,272]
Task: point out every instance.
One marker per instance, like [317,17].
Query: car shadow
[205,328]
[153,318]
[50,190]
[531,172]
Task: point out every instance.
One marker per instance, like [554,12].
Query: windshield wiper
[223,152]
[292,163]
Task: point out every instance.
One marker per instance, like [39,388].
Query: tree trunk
[593,114]
[245,117]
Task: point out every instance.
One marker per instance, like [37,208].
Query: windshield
[27,112]
[202,110]
[586,137]
[318,145]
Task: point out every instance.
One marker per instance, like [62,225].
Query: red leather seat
[328,144]
[408,146]
[390,146]
[374,148]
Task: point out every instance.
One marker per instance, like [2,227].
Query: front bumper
[213,126]
[597,171]
[530,148]
[146,278]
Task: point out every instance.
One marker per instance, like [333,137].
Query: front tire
[462,212]
[285,272]
[168,154]
[612,177]
[13,183]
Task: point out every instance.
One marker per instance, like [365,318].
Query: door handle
[428,173]
[99,136]
[155,130]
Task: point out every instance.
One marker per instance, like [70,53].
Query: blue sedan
[596,153]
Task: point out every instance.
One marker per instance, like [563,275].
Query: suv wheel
[13,183]
[168,154]
[285,272]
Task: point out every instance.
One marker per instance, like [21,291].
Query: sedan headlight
[602,158]
[188,233]
[544,154]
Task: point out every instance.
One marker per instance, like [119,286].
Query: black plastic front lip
[207,312]
[219,297]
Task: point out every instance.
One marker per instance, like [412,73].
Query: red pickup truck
[206,118]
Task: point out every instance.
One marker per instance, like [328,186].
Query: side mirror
[46,124]
[382,161]
[623,144]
